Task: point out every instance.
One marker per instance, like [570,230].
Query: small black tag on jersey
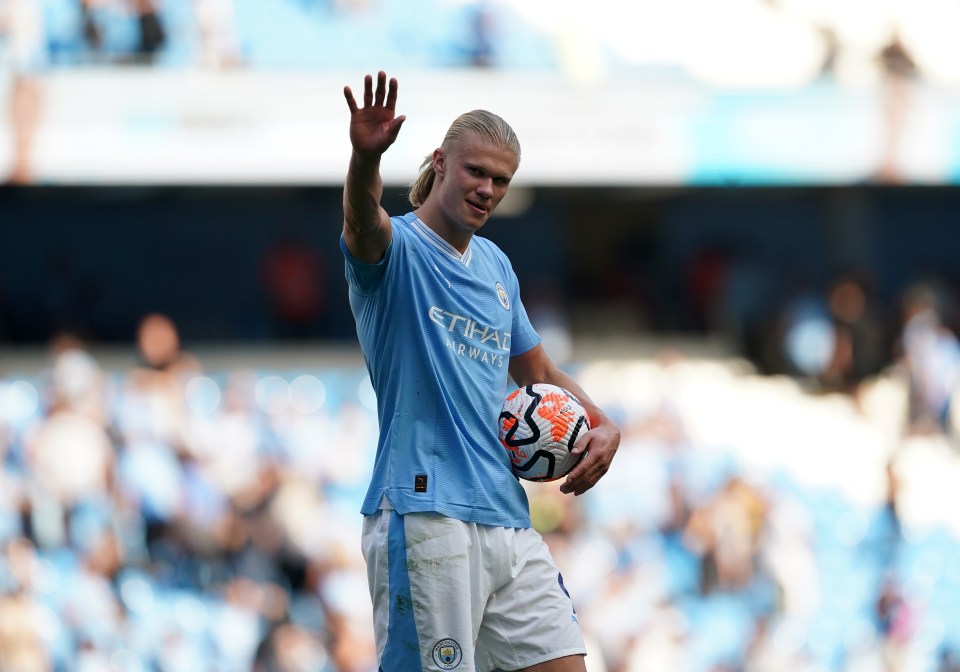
[420,483]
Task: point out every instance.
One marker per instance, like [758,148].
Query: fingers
[384,95]
[578,486]
[585,475]
[367,90]
[392,94]
[574,477]
[381,88]
[351,101]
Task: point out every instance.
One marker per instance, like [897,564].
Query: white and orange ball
[539,424]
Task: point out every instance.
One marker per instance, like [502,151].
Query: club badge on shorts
[447,654]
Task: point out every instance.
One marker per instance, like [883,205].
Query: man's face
[474,178]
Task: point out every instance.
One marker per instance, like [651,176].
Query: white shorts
[450,595]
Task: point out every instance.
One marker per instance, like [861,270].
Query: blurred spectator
[482,26]
[14,502]
[219,40]
[898,623]
[930,354]
[293,274]
[861,346]
[77,377]
[831,51]
[899,69]
[152,423]
[151,33]
[291,648]
[91,31]
[896,59]
[804,335]
[705,276]
[24,53]
[835,339]
[89,606]
[725,533]
[70,454]
[891,509]
[225,446]
[21,646]
[660,646]
[153,401]
[788,552]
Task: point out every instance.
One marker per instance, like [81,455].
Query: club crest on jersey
[447,654]
[503,296]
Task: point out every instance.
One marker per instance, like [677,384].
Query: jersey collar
[432,237]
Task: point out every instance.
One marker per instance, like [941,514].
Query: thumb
[395,125]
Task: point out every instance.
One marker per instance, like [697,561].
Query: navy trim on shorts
[402,651]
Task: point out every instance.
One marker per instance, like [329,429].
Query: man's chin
[476,219]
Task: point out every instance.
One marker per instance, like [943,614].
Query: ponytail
[421,187]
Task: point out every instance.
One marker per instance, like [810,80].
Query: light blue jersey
[437,330]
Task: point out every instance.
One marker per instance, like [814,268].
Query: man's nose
[485,188]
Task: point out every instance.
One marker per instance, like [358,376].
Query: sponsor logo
[503,296]
[461,325]
[471,339]
[447,654]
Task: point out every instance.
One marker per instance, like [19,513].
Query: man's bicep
[530,366]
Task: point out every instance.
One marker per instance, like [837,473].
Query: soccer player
[458,577]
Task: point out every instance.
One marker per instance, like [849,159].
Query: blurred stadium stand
[736,221]
[751,92]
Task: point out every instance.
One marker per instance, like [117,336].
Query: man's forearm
[559,377]
[362,192]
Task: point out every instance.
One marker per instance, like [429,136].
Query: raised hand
[374,127]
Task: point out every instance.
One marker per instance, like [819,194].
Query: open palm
[374,127]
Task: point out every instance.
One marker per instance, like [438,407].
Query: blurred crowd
[52,34]
[841,337]
[839,39]
[157,518]
[166,517]
[778,44]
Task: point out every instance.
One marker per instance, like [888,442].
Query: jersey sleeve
[364,278]
[523,337]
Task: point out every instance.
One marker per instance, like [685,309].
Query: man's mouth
[479,208]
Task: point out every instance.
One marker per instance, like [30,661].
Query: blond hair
[481,123]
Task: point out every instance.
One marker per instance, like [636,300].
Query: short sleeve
[523,337]
[362,277]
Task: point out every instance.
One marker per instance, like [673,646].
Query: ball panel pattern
[539,424]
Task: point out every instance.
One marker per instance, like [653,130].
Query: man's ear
[438,162]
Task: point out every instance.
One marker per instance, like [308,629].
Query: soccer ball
[539,424]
